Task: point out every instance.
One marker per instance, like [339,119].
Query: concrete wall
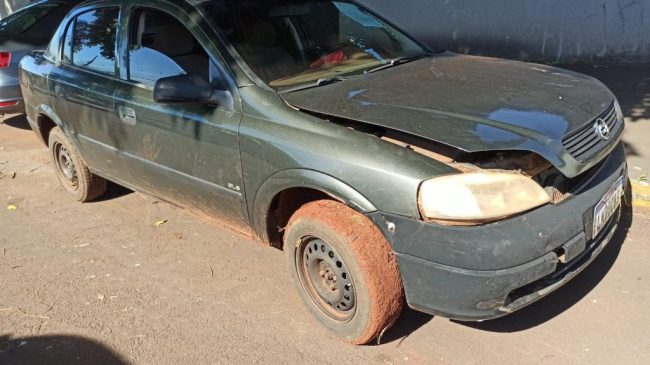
[553,31]
[9,6]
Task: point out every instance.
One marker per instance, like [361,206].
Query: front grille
[585,142]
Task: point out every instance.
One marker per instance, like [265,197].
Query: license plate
[607,206]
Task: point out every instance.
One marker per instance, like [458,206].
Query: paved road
[101,283]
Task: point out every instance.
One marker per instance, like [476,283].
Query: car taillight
[4,104]
[5,59]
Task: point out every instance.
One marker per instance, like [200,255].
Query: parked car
[28,29]
[471,186]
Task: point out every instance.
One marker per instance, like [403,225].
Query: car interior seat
[174,41]
[261,52]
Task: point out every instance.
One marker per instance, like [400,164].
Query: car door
[184,152]
[83,86]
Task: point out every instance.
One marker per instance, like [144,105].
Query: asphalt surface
[133,280]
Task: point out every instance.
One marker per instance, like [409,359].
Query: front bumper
[484,272]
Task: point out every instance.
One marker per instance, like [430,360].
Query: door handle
[127,115]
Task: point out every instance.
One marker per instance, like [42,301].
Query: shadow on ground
[408,322]
[18,121]
[113,191]
[57,349]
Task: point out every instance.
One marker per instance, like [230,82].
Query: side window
[93,40]
[160,46]
[67,43]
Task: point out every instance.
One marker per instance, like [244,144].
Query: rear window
[22,20]
[93,40]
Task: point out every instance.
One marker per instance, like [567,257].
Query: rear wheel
[345,271]
[72,172]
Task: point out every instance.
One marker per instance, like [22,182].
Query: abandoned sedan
[470,186]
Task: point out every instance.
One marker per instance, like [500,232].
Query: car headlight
[479,197]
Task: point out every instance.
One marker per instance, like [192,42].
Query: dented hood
[470,103]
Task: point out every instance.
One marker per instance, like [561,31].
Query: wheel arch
[46,120]
[285,192]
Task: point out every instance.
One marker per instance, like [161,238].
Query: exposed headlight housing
[479,197]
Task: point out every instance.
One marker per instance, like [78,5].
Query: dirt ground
[101,283]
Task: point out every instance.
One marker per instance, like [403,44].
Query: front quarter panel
[275,137]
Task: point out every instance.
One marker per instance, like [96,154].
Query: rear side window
[21,21]
[93,40]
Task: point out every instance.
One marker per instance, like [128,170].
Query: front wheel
[345,270]
[71,170]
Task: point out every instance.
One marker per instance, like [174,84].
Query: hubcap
[65,165]
[326,278]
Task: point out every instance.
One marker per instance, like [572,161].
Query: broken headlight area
[490,186]
[531,165]
[508,183]
[502,184]
[479,197]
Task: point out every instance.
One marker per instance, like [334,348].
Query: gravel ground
[101,283]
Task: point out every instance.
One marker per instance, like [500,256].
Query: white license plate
[607,206]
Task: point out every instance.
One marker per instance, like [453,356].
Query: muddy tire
[345,270]
[72,171]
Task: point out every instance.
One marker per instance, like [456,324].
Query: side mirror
[182,89]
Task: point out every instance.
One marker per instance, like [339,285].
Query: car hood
[471,103]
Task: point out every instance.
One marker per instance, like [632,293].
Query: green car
[389,173]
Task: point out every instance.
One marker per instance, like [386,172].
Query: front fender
[301,178]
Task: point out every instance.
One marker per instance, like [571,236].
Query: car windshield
[290,42]
[24,19]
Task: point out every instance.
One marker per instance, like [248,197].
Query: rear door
[83,88]
[186,153]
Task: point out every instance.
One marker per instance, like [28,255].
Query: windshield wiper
[395,62]
[317,83]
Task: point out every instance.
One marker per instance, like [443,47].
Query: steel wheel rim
[65,165]
[326,279]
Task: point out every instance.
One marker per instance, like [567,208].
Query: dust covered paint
[250,136]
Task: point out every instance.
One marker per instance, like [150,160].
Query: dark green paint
[223,160]
[232,160]
[217,159]
[471,103]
